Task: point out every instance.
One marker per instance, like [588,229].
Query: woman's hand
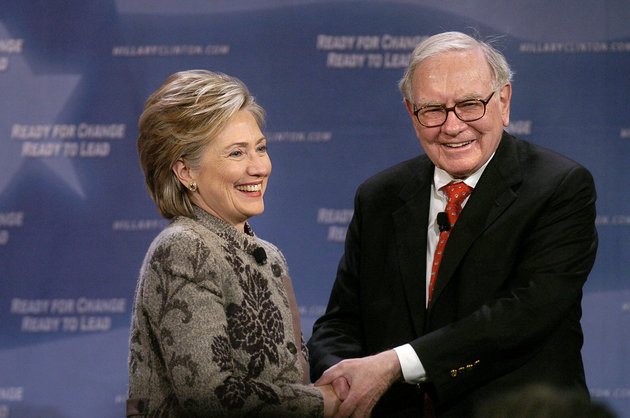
[331,401]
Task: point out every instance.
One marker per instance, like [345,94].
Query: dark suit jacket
[507,301]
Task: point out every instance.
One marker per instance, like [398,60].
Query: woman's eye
[262,148]
[236,153]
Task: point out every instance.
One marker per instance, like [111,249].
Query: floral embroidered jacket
[212,333]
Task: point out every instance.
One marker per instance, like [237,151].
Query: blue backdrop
[76,220]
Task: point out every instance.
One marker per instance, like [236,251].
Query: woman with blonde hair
[215,329]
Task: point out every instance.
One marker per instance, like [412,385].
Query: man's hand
[361,382]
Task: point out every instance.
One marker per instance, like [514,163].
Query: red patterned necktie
[456,194]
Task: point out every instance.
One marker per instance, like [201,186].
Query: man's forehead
[452,75]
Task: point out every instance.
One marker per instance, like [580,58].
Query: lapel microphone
[260,255]
[443,222]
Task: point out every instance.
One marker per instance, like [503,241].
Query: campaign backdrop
[76,220]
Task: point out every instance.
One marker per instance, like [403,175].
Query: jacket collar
[410,228]
[221,228]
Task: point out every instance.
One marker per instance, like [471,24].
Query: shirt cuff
[412,369]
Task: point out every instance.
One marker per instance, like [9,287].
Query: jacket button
[454,373]
[276,270]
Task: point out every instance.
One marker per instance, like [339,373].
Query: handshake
[352,387]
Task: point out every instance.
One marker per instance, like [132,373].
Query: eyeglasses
[467,111]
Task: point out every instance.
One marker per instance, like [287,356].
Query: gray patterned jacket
[212,331]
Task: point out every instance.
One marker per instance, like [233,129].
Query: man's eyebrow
[471,96]
[428,103]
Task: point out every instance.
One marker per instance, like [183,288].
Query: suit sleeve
[540,298]
[337,335]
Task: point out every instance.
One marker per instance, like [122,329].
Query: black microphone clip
[443,222]
[260,255]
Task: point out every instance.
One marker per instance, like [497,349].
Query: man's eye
[469,104]
[431,111]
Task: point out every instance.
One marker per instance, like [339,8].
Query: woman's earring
[192,186]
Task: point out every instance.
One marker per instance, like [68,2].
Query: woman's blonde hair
[179,120]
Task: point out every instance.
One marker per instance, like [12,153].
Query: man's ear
[505,95]
[183,172]
[409,107]
[414,121]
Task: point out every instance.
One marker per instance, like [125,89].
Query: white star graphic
[32,99]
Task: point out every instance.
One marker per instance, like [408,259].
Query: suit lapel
[410,229]
[492,196]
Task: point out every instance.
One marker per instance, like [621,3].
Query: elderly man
[463,268]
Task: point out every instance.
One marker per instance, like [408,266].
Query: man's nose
[453,124]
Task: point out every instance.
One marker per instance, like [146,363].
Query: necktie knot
[456,194]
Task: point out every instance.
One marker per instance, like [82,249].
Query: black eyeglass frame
[452,108]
